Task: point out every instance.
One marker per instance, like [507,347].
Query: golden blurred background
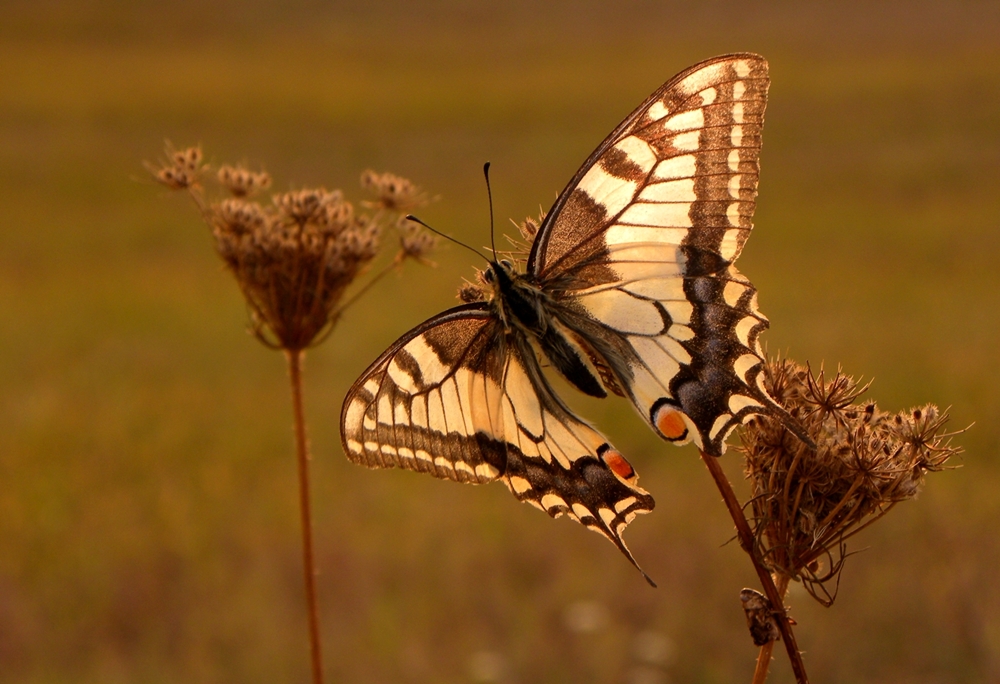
[149,526]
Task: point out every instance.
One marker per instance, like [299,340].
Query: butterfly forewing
[642,240]
[683,163]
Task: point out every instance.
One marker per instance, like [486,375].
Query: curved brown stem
[747,542]
[294,357]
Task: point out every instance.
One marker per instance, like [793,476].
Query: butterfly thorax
[529,312]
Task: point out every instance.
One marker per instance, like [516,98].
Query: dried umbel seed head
[182,171]
[293,269]
[337,214]
[527,230]
[189,159]
[393,193]
[242,183]
[241,216]
[295,258]
[308,205]
[805,504]
[415,243]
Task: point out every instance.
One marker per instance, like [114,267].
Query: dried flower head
[292,267]
[182,170]
[241,182]
[415,242]
[294,258]
[393,193]
[806,504]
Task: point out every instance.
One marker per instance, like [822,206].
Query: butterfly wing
[461,399]
[642,242]
[424,405]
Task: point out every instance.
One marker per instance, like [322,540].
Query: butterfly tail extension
[592,492]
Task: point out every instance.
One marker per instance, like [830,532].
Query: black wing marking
[459,398]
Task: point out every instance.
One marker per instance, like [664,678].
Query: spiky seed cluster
[392,192]
[183,170]
[529,227]
[806,504]
[295,257]
[470,292]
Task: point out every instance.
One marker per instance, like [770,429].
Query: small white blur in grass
[653,648]
[644,674]
[653,652]
[487,666]
[585,617]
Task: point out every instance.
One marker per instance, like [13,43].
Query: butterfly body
[528,309]
[629,289]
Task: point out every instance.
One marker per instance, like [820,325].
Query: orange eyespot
[670,422]
[619,466]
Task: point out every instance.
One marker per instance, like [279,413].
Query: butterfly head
[501,271]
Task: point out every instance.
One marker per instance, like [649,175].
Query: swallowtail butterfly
[629,289]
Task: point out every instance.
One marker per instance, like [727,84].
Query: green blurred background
[148,515]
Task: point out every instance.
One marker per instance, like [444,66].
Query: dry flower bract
[415,243]
[393,193]
[242,183]
[183,171]
[295,257]
[804,504]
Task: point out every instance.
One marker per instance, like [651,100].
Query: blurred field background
[148,519]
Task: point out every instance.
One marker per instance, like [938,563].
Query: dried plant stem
[747,542]
[308,564]
[764,657]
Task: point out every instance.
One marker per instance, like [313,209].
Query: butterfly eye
[506,263]
[488,275]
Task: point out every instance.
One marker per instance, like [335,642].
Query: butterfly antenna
[411,217]
[489,194]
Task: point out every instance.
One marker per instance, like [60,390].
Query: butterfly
[629,289]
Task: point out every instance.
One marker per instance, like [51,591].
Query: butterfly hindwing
[643,238]
[560,464]
[460,399]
